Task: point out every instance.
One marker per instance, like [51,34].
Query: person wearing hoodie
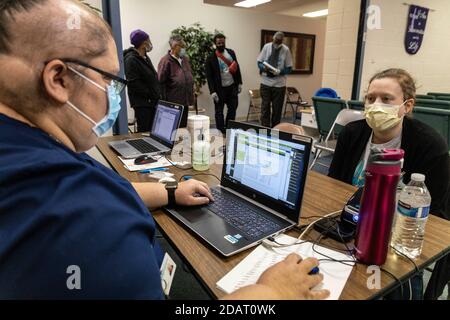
[143,85]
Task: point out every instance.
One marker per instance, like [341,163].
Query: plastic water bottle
[412,214]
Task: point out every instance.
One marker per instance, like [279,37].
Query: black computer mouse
[144,160]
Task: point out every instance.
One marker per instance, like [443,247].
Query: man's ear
[57,81]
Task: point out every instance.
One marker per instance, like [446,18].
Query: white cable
[272,245]
[312,223]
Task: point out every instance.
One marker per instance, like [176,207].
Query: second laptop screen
[165,123]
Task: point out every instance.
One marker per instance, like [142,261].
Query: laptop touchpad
[197,215]
[122,145]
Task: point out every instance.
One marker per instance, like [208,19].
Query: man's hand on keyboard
[193,193]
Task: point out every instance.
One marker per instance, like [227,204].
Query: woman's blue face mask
[114,107]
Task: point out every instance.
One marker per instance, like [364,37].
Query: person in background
[224,80]
[60,209]
[175,77]
[388,107]
[273,84]
[143,85]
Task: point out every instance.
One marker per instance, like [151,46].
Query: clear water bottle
[412,214]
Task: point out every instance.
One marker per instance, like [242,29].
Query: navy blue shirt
[60,209]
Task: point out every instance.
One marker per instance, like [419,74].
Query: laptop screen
[165,123]
[264,162]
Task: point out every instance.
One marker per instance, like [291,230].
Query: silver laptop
[162,136]
[261,190]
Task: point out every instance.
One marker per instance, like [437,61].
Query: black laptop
[162,135]
[260,193]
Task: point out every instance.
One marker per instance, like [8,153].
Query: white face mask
[381,116]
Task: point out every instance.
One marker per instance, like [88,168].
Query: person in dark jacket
[224,80]
[143,86]
[389,101]
[175,77]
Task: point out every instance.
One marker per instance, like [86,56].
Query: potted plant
[199,45]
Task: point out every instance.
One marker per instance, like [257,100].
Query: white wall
[242,28]
[385,48]
[95,3]
[340,46]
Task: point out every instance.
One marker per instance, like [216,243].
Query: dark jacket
[177,82]
[425,152]
[213,73]
[143,85]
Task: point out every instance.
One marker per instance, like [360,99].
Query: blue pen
[153,170]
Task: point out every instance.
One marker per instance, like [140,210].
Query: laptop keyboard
[241,216]
[142,146]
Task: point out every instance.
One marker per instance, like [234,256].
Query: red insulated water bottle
[378,204]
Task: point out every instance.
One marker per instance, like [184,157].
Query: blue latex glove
[261,67]
[286,71]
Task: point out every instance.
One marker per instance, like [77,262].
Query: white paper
[162,162]
[275,70]
[248,271]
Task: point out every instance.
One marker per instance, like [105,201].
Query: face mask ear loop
[84,115]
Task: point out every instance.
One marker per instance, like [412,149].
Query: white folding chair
[344,117]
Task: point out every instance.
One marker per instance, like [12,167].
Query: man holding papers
[275,63]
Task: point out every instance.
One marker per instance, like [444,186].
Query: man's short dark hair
[8,9]
[219,36]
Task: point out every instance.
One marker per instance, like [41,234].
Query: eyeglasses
[117,83]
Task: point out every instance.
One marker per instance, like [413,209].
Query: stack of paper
[248,271]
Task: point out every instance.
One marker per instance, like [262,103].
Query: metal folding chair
[344,117]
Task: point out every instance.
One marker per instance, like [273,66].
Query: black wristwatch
[171,186]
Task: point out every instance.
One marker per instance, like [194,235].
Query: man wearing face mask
[274,63]
[175,77]
[61,208]
[224,80]
[143,86]
[69,227]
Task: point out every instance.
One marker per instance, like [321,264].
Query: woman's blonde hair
[404,79]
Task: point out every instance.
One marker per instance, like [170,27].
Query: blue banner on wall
[417,21]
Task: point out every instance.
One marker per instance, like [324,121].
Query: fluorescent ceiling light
[250,3]
[315,14]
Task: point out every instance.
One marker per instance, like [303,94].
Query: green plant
[199,45]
